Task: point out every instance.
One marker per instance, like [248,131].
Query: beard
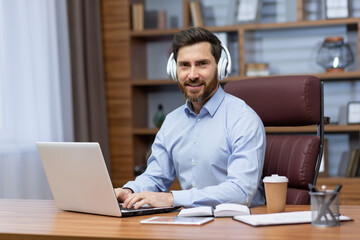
[207,90]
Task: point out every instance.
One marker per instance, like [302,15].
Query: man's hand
[154,199]
[122,193]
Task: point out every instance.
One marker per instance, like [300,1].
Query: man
[214,144]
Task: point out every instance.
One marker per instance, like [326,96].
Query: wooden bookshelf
[350,192]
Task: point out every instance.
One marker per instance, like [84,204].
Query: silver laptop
[80,182]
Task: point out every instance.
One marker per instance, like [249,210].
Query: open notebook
[80,182]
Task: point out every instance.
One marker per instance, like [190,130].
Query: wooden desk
[40,219]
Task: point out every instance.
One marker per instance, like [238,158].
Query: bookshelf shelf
[257,26]
[303,24]
[328,129]
[154,32]
[309,129]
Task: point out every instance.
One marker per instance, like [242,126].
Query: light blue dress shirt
[217,155]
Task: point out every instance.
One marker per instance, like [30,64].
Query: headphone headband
[224,64]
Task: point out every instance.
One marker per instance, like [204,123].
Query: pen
[312,188]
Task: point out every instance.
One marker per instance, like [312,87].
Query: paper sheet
[280,218]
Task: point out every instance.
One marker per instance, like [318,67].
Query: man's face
[197,72]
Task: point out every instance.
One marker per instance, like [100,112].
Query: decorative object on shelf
[246,11]
[334,54]
[257,69]
[353,113]
[159,116]
[337,8]
[138,16]
[139,169]
[196,15]
[174,22]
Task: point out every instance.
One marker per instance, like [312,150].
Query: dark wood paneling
[116,48]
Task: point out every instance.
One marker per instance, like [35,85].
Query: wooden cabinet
[350,192]
[135,69]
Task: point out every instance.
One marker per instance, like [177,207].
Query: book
[280,218]
[345,156]
[196,16]
[353,163]
[221,210]
[354,170]
[161,20]
[138,16]
[151,19]
[178,220]
[358,170]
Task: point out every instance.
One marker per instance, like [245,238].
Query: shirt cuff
[182,198]
[128,188]
[132,187]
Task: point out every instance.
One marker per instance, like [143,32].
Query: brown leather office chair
[288,101]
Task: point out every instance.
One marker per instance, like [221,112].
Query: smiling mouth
[194,87]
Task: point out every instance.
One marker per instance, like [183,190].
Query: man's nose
[193,74]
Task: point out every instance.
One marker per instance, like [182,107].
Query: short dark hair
[196,35]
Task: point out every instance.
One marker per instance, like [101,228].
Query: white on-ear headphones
[223,66]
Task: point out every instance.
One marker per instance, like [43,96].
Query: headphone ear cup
[222,66]
[171,67]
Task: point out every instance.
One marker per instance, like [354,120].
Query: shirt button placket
[193,162]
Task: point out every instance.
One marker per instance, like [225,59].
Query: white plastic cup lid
[275,178]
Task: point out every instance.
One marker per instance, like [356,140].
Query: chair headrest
[281,100]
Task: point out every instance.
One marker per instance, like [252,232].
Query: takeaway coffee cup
[275,191]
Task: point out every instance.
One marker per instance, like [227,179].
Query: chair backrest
[288,101]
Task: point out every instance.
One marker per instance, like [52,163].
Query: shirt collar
[210,106]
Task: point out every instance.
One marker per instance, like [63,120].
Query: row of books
[150,19]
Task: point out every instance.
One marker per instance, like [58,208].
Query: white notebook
[221,210]
[280,218]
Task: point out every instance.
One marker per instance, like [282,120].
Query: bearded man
[214,144]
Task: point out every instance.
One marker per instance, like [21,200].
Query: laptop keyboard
[133,209]
[144,210]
